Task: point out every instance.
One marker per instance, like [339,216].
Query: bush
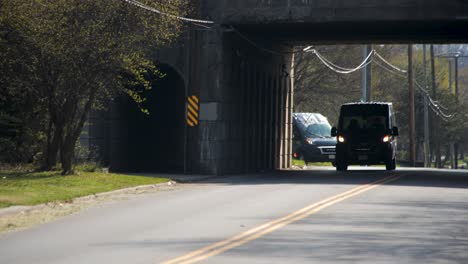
[87,158]
[89,167]
[86,154]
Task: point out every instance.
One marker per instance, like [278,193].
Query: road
[311,216]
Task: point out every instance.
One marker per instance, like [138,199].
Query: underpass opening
[258,73]
[154,141]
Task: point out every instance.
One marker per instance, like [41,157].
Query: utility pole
[455,56]
[434,119]
[366,76]
[453,155]
[427,146]
[455,146]
[412,127]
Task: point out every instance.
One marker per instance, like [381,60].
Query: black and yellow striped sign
[193,109]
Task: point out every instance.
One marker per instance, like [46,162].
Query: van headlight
[386,138]
[309,141]
[341,139]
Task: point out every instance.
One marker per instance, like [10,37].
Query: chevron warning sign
[193,109]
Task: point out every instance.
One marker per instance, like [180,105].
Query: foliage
[85,153]
[75,55]
[21,112]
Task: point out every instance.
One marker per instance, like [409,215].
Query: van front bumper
[363,154]
[318,153]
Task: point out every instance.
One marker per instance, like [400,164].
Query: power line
[400,72]
[389,64]
[154,10]
[435,103]
[435,106]
[344,68]
[340,69]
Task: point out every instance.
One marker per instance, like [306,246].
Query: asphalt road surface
[314,216]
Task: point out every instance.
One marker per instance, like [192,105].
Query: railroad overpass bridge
[240,70]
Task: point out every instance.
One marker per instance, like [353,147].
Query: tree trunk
[447,156]
[434,119]
[67,155]
[74,132]
[438,155]
[49,160]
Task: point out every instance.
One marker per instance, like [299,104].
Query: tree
[84,53]
[21,111]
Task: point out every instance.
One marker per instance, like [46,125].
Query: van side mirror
[395,131]
[334,132]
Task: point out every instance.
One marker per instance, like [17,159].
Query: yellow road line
[254,233]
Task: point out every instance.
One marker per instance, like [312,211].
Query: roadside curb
[193,179]
[26,209]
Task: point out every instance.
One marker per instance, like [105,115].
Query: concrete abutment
[245,113]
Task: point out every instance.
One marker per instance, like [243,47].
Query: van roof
[310,118]
[369,103]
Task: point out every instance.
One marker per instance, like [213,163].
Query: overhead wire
[154,10]
[388,63]
[203,24]
[435,106]
[340,69]
[434,103]
[421,89]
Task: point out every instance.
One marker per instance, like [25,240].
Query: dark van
[312,139]
[366,135]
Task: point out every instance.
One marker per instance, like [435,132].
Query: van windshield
[318,130]
[358,118]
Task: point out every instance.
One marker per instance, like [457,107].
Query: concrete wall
[346,21]
[266,11]
[251,92]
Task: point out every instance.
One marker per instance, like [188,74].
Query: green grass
[30,188]
[297,162]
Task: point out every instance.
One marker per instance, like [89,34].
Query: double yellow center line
[259,231]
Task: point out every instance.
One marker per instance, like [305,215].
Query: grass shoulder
[31,188]
[299,162]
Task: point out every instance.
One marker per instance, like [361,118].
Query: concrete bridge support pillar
[246,105]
